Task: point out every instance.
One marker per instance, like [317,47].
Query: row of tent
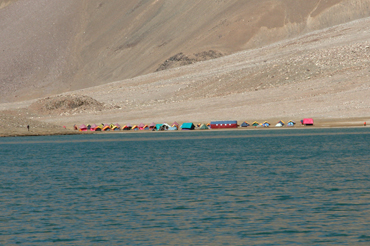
[268,124]
[175,126]
[141,126]
[306,122]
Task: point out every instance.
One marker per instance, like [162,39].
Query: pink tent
[151,126]
[142,126]
[308,121]
[93,127]
[83,127]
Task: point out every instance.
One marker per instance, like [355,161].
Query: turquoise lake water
[256,187]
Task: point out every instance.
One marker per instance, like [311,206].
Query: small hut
[224,124]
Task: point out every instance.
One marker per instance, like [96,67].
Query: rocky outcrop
[67,104]
[180,59]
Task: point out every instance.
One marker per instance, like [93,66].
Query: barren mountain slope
[323,74]
[52,46]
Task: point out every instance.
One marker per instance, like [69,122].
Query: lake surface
[256,187]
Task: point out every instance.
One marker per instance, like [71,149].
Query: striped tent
[127,127]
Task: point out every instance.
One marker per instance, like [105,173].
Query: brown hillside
[323,74]
[52,46]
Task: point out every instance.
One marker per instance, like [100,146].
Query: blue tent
[244,124]
[291,123]
[187,126]
[266,124]
[158,126]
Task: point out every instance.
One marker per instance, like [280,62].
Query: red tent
[151,126]
[93,127]
[83,127]
[142,126]
[308,121]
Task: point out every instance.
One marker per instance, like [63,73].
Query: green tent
[203,127]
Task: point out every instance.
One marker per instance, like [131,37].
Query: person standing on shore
[28,127]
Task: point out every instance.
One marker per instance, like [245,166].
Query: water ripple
[308,187]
